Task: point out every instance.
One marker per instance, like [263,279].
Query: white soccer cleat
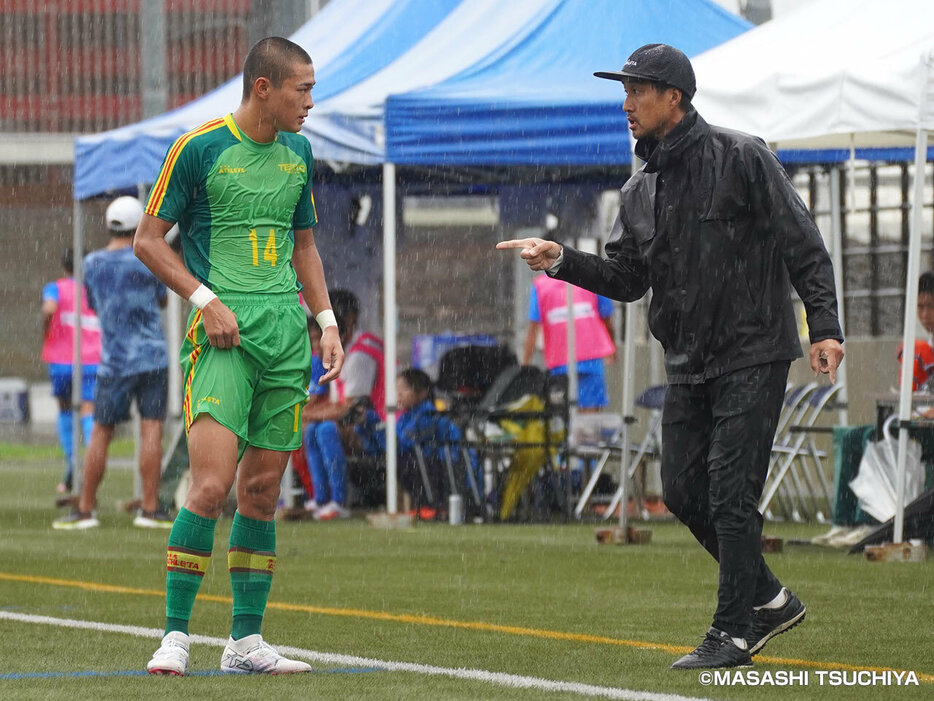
[330,511]
[172,656]
[253,655]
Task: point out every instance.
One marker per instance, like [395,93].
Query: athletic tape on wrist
[201,297]
[326,319]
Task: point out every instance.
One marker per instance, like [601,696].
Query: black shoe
[767,623]
[717,650]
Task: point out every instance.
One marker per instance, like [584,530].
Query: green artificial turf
[539,600]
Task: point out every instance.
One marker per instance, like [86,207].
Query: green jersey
[237,203]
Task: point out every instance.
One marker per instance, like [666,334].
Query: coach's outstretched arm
[220,324]
[622,275]
[538,253]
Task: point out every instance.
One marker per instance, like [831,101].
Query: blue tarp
[349,40]
[535,101]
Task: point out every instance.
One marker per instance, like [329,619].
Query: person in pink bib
[593,333]
[58,337]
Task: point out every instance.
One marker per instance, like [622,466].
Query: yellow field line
[439,622]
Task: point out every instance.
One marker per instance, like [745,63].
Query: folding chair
[796,451]
[456,459]
[794,408]
[653,399]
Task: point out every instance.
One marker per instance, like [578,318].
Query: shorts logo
[230,169]
[295,168]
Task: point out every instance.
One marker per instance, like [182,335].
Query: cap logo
[630,62]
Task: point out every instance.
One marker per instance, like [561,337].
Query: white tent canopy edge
[837,74]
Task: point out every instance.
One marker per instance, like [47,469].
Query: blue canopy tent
[535,101]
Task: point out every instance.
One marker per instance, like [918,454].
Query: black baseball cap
[659,63]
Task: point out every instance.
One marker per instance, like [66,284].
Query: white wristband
[326,319]
[202,297]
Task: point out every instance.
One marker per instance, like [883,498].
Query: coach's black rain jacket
[714,226]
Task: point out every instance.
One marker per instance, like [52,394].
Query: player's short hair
[272,58]
[926,283]
[345,304]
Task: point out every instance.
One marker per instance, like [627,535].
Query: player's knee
[261,492]
[207,497]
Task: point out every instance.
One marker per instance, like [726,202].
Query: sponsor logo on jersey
[295,168]
[209,400]
[230,169]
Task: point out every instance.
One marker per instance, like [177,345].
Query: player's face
[926,311]
[291,101]
[652,113]
[405,395]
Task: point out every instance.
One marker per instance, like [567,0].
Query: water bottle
[455,509]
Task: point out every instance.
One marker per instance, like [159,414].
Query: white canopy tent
[836,74]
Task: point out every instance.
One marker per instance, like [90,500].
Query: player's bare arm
[220,324]
[531,339]
[49,307]
[538,253]
[826,357]
[310,272]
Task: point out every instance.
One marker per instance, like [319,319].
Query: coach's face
[291,101]
[652,111]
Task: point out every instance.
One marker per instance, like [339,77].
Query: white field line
[499,678]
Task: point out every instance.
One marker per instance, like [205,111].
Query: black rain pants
[716,441]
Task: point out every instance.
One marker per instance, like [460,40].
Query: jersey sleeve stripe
[314,209]
[159,189]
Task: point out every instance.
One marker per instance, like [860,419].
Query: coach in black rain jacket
[714,227]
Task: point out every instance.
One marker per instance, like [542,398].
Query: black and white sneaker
[76,521]
[718,650]
[153,519]
[767,623]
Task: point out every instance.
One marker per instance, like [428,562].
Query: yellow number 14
[269,250]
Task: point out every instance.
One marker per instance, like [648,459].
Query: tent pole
[908,338]
[389,328]
[572,356]
[77,474]
[628,419]
[628,379]
[836,229]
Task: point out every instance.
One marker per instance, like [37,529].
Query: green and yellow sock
[187,559]
[251,560]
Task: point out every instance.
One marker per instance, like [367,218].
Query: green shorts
[257,389]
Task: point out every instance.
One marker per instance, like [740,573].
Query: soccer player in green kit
[239,188]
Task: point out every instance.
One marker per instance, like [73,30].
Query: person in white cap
[134,365]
